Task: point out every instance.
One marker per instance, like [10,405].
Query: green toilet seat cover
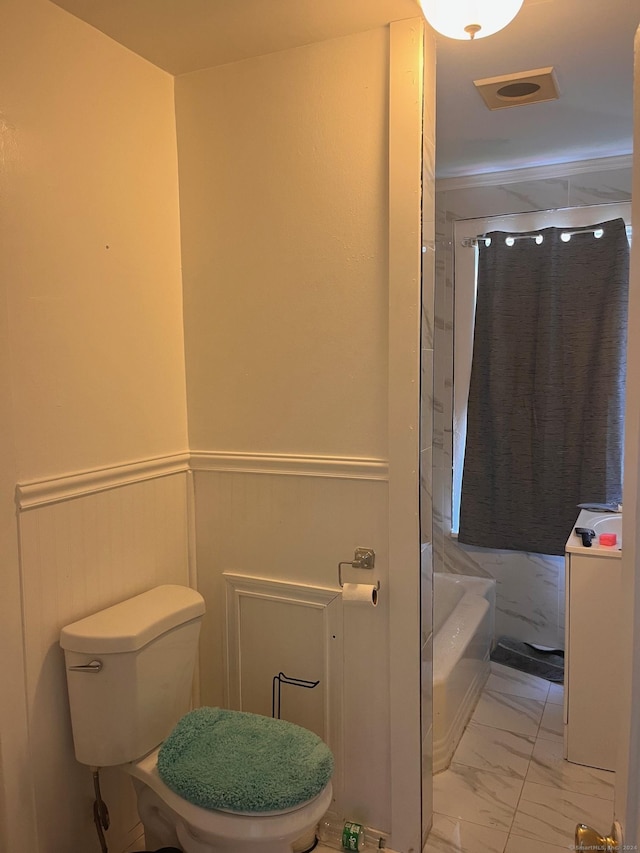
[219,759]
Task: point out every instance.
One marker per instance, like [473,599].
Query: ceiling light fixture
[469,19]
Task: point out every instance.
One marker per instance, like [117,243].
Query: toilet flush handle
[93,666]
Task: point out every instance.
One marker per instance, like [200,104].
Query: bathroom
[115,268]
[117,491]
[529,587]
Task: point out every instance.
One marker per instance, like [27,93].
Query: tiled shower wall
[530,587]
[426,431]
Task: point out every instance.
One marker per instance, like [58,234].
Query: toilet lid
[232,760]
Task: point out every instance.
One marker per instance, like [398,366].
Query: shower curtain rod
[472,242]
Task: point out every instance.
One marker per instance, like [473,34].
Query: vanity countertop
[600,522]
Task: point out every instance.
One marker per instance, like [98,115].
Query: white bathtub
[464,613]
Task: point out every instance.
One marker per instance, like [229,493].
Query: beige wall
[92,369]
[285,224]
[283,169]
[15,791]
[90,247]
[284,173]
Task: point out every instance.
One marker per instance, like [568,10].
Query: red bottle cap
[608,539]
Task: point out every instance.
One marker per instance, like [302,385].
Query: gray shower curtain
[546,398]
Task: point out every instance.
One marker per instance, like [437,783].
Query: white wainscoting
[274,628]
[83,549]
[93,538]
[295,530]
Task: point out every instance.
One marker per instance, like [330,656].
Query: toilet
[207,780]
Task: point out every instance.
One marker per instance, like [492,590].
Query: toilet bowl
[168,819]
[129,679]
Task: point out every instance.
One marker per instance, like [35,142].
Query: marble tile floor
[508,788]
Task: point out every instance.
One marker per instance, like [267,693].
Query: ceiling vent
[512,90]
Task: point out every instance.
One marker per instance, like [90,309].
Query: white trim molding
[35,493]
[38,493]
[342,467]
[535,173]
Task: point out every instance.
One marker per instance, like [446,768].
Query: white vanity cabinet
[592,647]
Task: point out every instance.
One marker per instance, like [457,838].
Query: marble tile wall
[530,587]
[426,427]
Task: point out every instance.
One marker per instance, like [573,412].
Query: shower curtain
[546,397]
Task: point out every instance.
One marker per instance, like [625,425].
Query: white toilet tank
[130,673]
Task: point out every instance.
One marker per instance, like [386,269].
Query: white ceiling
[590,45]
[188,35]
[588,42]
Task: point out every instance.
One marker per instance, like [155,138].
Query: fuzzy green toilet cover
[220,759]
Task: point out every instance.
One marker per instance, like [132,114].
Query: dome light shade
[468,19]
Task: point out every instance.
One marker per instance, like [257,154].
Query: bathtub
[463,628]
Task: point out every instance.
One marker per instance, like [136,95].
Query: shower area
[478,594]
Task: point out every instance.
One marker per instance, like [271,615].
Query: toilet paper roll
[360,593]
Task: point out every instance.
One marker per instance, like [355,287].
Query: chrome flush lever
[94,666]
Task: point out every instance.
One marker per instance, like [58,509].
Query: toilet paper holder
[363,558]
